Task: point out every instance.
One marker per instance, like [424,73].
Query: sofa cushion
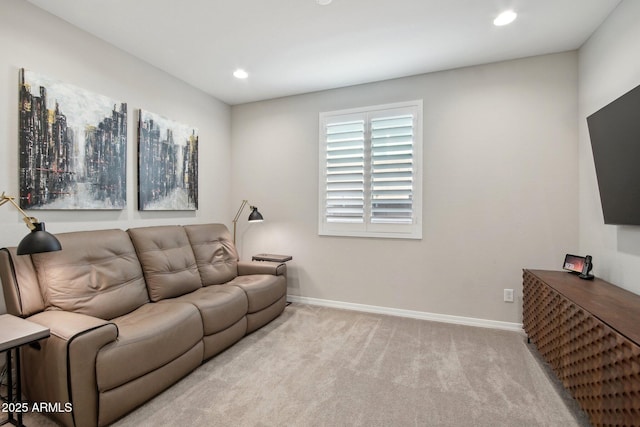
[97,274]
[262,289]
[220,306]
[215,252]
[148,338]
[167,261]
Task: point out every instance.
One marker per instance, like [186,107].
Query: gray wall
[609,67]
[33,39]
[500,189]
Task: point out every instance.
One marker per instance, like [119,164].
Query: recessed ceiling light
[240,74]
[505,18]
[323,2]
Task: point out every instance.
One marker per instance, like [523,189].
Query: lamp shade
[38,241]
[255,216]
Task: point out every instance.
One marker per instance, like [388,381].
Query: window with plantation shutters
[370,171]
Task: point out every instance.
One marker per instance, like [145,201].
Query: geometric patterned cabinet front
[588,331]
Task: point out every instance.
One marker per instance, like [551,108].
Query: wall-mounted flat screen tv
[615,141]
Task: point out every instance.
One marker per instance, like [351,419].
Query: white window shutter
[392,169]
[345,152]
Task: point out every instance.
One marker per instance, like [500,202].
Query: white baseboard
[458,320]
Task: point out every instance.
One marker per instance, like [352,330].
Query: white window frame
[367,228]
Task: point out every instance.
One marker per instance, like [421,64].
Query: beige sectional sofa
[131,312]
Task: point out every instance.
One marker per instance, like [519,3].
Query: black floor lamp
[39,240]
[254,216]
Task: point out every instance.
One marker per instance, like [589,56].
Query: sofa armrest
[20,285]
[262,267]
[62,368]
[67,325]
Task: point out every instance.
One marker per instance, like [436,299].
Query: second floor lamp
[39,240]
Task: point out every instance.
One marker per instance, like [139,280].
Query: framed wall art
[167,164]
[73,146]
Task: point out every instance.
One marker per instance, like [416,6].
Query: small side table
[14,333]
[271,257]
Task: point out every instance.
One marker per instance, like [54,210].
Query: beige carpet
[316,366]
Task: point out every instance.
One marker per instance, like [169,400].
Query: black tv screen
[615,141]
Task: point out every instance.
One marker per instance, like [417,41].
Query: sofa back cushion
[215,253]
[96,273]
[167,260]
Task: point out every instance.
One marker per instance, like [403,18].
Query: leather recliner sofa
[132,312]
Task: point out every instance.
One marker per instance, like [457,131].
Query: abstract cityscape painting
[167,164]
[73,146]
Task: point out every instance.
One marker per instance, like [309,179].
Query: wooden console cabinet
[589,333]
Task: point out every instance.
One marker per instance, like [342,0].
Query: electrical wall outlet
[508,295]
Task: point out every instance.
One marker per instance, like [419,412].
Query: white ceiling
[296,46]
